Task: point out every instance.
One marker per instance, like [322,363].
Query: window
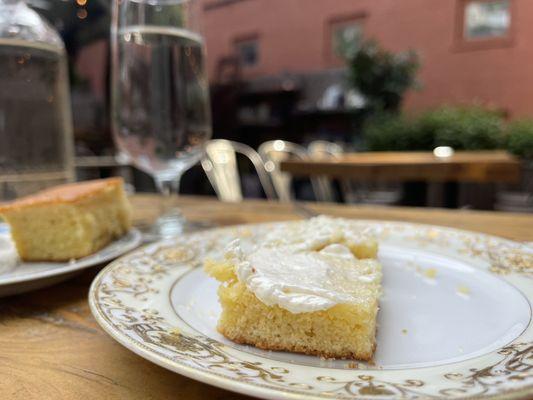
[486,19]
[248,52]
[216,4]
[343,34]
[484,24]
[345,38]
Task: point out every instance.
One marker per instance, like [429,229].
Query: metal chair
[518,197]
[273,153]
[220,166]
[321,149]
[362,192]
[514,202]
[376,193]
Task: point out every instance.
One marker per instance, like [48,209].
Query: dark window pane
[248,53]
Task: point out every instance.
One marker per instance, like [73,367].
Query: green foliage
[463,128]
[519,138]
[471,128]
[393,132]
[380,76]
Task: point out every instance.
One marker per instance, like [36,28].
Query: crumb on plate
[175,331]
[464,290]
[430,273]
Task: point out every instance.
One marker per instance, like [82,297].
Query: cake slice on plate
[311,288]
[68,221]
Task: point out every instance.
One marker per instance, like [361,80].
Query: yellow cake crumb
[464,290]
[352,365]
[68,221]
[430,273]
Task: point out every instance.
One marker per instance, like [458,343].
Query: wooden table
[463,166]
[51,347]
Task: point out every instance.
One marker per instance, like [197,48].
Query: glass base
[171,225]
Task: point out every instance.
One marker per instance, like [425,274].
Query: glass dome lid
[19,22]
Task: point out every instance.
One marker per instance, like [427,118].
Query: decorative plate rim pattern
[114,294]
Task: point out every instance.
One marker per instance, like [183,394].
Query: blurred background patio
[325,82]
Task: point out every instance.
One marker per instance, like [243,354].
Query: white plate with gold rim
[454,320]
[26,276]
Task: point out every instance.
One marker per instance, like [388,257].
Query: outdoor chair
[220,166]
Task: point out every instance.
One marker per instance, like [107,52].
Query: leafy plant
[380,76]
[393,132]
[463,128]
[519,138]
[471,128]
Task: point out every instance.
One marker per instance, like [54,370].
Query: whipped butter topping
[8,253]
[306,275]
[316,233]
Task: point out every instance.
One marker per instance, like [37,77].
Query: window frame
[462,43]
[243,39]
[333,23]
[216,4]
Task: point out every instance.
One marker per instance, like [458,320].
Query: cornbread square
[290,316]
[68,221]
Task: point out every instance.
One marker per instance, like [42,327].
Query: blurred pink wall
[294,36]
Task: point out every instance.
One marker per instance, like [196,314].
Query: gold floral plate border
[121,295]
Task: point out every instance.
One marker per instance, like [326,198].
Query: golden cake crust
[266,345]
[63,194]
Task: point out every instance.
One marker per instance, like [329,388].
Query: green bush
[471,128]
[519,138]
[391,132]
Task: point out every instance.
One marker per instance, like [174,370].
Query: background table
[463,166]
[51,347]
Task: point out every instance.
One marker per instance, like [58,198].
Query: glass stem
[169,189]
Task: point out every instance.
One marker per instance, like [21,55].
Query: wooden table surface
[463,166]
[51,347]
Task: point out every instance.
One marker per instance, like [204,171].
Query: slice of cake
[68,221]
[311,288]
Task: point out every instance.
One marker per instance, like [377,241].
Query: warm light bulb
[82,13]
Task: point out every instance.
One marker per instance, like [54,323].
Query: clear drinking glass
[160,97]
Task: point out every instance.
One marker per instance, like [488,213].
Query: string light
[82,13]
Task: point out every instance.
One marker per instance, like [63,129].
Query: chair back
[273,153]
[322,149]
[220,166]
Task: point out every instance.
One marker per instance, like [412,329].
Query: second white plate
[28,276]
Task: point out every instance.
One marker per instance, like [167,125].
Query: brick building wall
[295,36]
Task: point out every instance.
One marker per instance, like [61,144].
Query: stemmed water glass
[160,99]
